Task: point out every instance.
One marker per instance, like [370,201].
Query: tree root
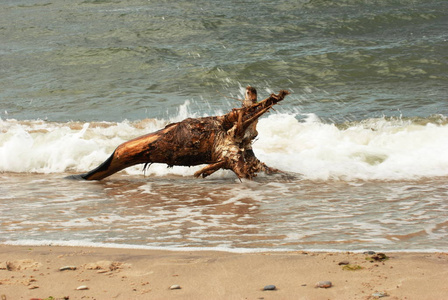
[221,142]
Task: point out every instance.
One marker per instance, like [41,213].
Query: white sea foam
[375,149]
[220,248]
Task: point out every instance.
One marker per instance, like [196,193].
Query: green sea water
[113,60]
[362,138]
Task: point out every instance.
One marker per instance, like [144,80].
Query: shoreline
[28,272]
[203,249]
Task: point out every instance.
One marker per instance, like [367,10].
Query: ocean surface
[363,137]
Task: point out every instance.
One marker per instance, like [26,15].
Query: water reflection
[270,212]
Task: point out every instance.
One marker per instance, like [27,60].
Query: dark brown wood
[222,142]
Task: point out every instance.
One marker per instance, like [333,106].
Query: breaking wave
[371,149]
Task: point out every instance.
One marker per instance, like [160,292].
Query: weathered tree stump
[222,142]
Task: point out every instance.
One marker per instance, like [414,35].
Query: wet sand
[34,273]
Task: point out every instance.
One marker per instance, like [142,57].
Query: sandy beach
[28,272]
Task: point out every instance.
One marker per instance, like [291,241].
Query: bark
[222,142]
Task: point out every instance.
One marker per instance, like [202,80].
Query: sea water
[362,139]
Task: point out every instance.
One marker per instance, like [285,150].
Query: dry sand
[33,273]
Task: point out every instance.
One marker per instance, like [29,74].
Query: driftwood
[222,142]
